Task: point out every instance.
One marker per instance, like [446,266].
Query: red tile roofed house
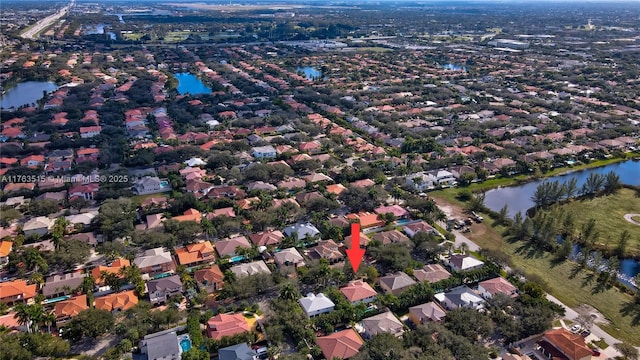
[7,162]
[189,215]
[87,132]
[227,325]
[267,238]
[363,183]
[87,154]
[69,308]
[499,285]
[366,219]
[196,254]
[113,268]
[340,345]
[359,291]
[117,302]
[364,240]
[11,322]
[10,187]
[84,191]
[5,250]
[562,344]
[421,226]
[397,211]
[17,291]
[209,279]
[336,189]
[228,114]
[32,161]
[11,122]
[311,147]
[228,212]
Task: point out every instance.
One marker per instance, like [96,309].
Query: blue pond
[25,93]
[310,72]
[189,83]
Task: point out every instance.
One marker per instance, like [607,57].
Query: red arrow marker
[355,254]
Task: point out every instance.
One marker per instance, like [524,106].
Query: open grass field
[559,280]
[132,36]
[609,211]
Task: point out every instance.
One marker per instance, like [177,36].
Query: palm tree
[59,230]
[464,247]
[396,193]
[48,319]
[288,292]
[23,316]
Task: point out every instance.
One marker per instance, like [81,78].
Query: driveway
[461,238]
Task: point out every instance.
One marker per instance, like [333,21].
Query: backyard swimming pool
[185,343]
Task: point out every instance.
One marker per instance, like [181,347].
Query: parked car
[575,328]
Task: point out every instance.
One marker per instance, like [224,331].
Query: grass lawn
[608,211]
[133,36]
[558,279]
[138,199]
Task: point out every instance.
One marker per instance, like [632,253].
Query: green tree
[90,323]
[628,352]
[195,354]
[59,230]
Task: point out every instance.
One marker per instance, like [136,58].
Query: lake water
[26,93]
[518,198]
[189,83]
[310,72]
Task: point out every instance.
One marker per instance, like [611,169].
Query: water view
[518,198]
[310,72]
[26,93]
[190,84]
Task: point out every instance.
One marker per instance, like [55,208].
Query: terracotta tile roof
[226,325]
[189,215]
[267,238]
[197,252]
[119,301]
[499,285]
[212,274]
[342,345]
[431,273]
[17,288]
[366,219]
[228,246]
[114,268]
[336,189]
[5,248]
[71,307]
[358,290]
[571,345]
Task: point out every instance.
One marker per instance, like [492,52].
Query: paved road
[46,22]
[461,238]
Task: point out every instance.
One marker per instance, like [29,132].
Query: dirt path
[629,218]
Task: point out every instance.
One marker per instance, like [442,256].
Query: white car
[575,328]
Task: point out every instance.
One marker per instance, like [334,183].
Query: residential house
[252,268]
[421,226]
[32,161]
[65,310]
[461,296]
[155,261]
[431,273]
[237,352]
[398,211]
[82,220]
[228,212]
[288,257]
[427,312]
[114,267]
[316,177]
[340,345]
[209,279]
[302,230]
[117,301]
[228,246]
[366,219]
[5,250]
[154,221]
[189,215]
[62,284]
[396,283]
[562,344]
[382,323]
[359,291]
[16,291]
[150,185]
[196,254]
[268,238]
[326,249]
[160,290]
[499,285]
[227,325]
[364,240]
[163,345]
[84,191]
[389,237]
[463,262]
[39,226]
[264,152]
[87,132]
[314,305]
